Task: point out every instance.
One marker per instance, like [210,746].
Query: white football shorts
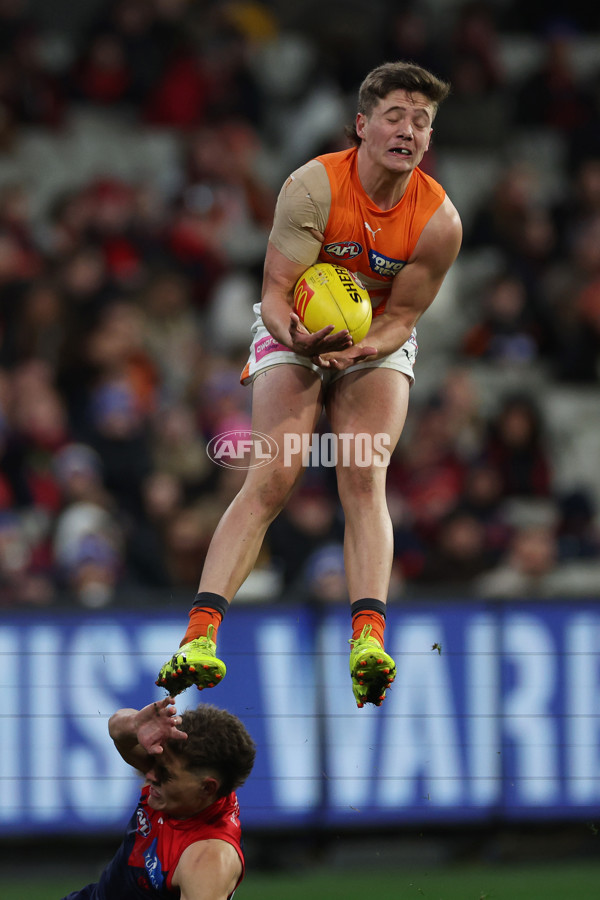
[265,352]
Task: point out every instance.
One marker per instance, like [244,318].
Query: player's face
[397,133]
[175,790]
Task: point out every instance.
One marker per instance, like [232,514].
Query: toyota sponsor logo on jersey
[384,265]
[144,825]
[153,866]
[343,249]
[242,449]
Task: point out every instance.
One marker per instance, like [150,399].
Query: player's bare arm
[207,870]
[417,284]
[139,734]
[414,288]
[277,309]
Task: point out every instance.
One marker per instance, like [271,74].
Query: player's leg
[286,399]
[367,410]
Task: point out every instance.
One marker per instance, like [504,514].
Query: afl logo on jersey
[343,249]
[144,826]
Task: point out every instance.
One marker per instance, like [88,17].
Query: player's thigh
[286,398]
[367,411]
[370,402]
[286,404]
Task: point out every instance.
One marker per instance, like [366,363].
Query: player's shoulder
[428,184]
[209,849]
[306,192]
[431,193]
[441,238]
[450,218]
[214,860]
[309,175]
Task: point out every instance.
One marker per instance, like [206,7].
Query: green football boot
[371,668]
[194,663]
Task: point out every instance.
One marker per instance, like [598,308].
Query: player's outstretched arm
[207,870]
[140,734]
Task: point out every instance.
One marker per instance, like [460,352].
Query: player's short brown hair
[216,740]
[397,76]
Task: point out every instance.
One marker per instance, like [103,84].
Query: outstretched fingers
[158,724]
[324,341]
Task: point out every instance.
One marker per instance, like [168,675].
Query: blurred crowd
[125,305]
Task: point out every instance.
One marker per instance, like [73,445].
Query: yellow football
[327,294]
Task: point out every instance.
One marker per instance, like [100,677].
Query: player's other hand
[343,360]
[156,724]
[320,342]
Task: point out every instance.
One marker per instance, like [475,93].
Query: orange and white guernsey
[326,194]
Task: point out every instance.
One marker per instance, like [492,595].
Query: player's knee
[274,491]
[360,484]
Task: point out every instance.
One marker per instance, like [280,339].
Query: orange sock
[372,618]
[200,619]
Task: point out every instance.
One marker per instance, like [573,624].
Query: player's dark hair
[397,76]
[216,740]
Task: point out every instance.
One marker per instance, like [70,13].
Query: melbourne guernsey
[144,864]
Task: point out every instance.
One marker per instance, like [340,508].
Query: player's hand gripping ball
[331,295]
